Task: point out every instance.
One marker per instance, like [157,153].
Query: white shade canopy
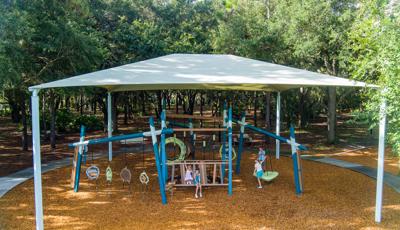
[202,71]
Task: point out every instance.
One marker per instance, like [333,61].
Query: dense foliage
[44,40]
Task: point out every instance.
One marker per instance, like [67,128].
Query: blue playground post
[230,151]
[79,159]
[224,117]
[192,137]
[163,153]
[240,150]
[296,163]
[156,154]
[84,149]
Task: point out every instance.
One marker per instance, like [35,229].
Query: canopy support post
[109,125]
[278,123]
[37,167]
[381,159]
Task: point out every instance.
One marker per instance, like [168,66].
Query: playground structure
[213,172]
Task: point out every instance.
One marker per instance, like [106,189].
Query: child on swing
[258,171]
[188,174]
[197,182]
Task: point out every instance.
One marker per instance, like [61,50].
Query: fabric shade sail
[202,71]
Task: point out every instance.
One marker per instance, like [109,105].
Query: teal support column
[230,151]
[192,139]
[79,160]
[296,163]
[240,149]
[156,154]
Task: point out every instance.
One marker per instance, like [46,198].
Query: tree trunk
[255,108]
[143,104]
[114,111]
[103,108]
[68,103]
[81,105]
[192,102]
[268,111]
[44,116]
[94,107]
[159,103]
[24,124]
[11,96]
[177,103]
[331,115]
[169,100]
[300,121]
[268,114]
[201,103]
[126,109]
[52,121]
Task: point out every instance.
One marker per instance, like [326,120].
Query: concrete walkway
[9,182]
[388,178]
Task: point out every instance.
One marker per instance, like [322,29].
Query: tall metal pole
[37,167]
[109,125]
[278,123]
[381,158]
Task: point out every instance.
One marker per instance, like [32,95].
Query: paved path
[9,182]
[388,178]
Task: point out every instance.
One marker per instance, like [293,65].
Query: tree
[372,55]
[313,35]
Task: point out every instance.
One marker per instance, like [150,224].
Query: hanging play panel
[181,145]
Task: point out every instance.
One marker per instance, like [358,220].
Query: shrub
[64,120]
[91,123]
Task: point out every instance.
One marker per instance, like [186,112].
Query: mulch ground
[334,198]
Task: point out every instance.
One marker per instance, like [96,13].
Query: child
[188,175]
[197,182]
[259,172]
[261,157]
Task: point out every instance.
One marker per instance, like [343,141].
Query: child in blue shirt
[197,182]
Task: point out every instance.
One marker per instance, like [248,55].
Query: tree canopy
[45,40]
